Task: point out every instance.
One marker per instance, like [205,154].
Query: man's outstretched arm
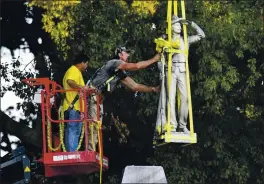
[139,65]
[131,84]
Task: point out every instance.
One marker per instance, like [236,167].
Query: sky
[9,98]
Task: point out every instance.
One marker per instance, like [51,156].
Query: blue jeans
[73,130]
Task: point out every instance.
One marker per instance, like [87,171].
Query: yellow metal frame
[169,136]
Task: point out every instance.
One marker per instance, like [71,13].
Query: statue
[178,80]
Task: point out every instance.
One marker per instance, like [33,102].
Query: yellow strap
[108,82]
[100,150]
[98,127]
[187,70]
[108,87]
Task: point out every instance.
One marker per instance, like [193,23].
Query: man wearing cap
[117,67]
[73,79]
[178,79]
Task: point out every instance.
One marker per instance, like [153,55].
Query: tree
[23,25]
[226,81]
[14,17]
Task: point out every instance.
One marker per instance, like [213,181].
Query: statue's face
[176,28]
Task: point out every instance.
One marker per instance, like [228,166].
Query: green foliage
[227,92]
[61,18]
[226,83]
[225,73]
[57,20]
[233,46]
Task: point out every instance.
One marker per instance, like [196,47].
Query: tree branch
[26,135]
[7,141]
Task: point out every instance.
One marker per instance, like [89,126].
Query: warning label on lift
[27,169]
[66,157]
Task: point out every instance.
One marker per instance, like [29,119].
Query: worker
[117,67]
[178,79]
[73,79]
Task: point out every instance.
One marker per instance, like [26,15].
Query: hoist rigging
[176,79]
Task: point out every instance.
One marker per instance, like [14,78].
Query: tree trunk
[27,135]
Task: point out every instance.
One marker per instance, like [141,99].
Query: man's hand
[160,44]
[156,58]
[179,19]
[156,89]
[74,85]
[85,88]
[186,22]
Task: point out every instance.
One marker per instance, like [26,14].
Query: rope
[81,138]
[99,124]
[49,138]
[61,134]
[98,127]
[61,117]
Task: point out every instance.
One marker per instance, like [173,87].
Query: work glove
[161,43]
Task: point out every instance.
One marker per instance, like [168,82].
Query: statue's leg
[182,85]
[161,114]
[163,103]
[158,121]
[172,98]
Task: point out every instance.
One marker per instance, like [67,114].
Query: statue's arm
[199,33]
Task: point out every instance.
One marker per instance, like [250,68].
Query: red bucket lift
[59,162]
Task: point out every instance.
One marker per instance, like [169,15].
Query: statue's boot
[184,130]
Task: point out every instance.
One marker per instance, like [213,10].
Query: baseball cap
[120,49]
